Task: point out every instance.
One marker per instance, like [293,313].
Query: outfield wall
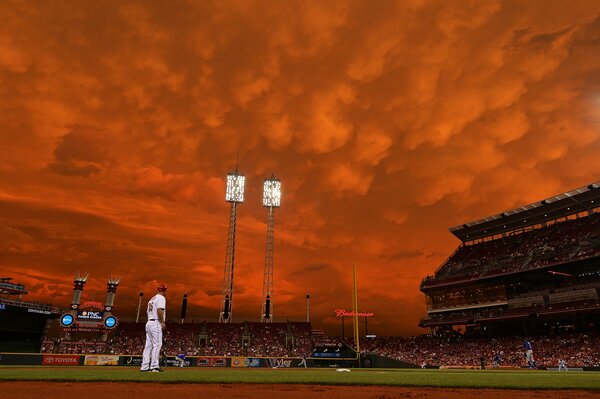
[51,359]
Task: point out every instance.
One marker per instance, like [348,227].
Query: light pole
[271,200]
[234,195]
[137,317]
[308,308]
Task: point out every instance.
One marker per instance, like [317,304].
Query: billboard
[60,360]
[240,362]
[131,361]
[171,362]
[211,362]
[285,362]
[90,315]
[101,360]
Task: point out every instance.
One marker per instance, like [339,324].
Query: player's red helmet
[162,287]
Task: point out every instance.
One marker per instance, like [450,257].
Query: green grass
[509,379]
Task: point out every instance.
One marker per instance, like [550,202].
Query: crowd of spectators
[576,349]
[553,244]
[202,339]
[85,346]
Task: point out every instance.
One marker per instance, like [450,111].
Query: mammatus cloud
[386,123]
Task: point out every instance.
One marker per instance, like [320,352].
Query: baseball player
[497,360]
[180,359]
[562,365]
[529,354]
[154,330]
[303,362]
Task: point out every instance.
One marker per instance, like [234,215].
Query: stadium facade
[22,323]
[529,270]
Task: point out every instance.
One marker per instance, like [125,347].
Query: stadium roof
[562,205]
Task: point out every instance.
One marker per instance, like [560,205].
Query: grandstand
[22,323]
[578,349]
[529,270]
[200,339]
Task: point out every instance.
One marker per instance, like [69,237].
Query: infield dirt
[118,390]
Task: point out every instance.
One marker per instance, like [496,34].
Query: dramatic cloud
[386,122]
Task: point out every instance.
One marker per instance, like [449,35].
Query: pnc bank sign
[90,315]
[346,313]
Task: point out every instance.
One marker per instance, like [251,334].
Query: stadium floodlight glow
[235,187]
[234,194]
[272,193]
[271,200]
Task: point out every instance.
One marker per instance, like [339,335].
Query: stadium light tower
[234,195]
[271,200]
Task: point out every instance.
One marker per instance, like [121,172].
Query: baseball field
[101,382]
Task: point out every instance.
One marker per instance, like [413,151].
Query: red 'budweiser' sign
[345,313]
[60,360]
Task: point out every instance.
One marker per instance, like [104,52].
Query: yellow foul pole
[355,306]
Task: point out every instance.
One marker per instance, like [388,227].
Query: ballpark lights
[234,194]
[271,200]
[272,193]
[235,188]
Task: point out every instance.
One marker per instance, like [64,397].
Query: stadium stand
[577,349]
[201,339]
[522,271]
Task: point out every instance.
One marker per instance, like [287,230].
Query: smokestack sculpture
[79,281]
[111,292]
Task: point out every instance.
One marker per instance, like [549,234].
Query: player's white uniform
[153,333]
[562,365]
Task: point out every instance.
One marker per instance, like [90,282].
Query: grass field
[509,379]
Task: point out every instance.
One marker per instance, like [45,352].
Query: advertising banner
[60,360]
[174,363]
[240,362]
[130,361]
[89,315]
[203,362]
[217,362]
[83,329]
[19,309]
[101,360]
[285,362]
[327,354]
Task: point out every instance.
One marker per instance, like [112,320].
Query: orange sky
[387,122]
